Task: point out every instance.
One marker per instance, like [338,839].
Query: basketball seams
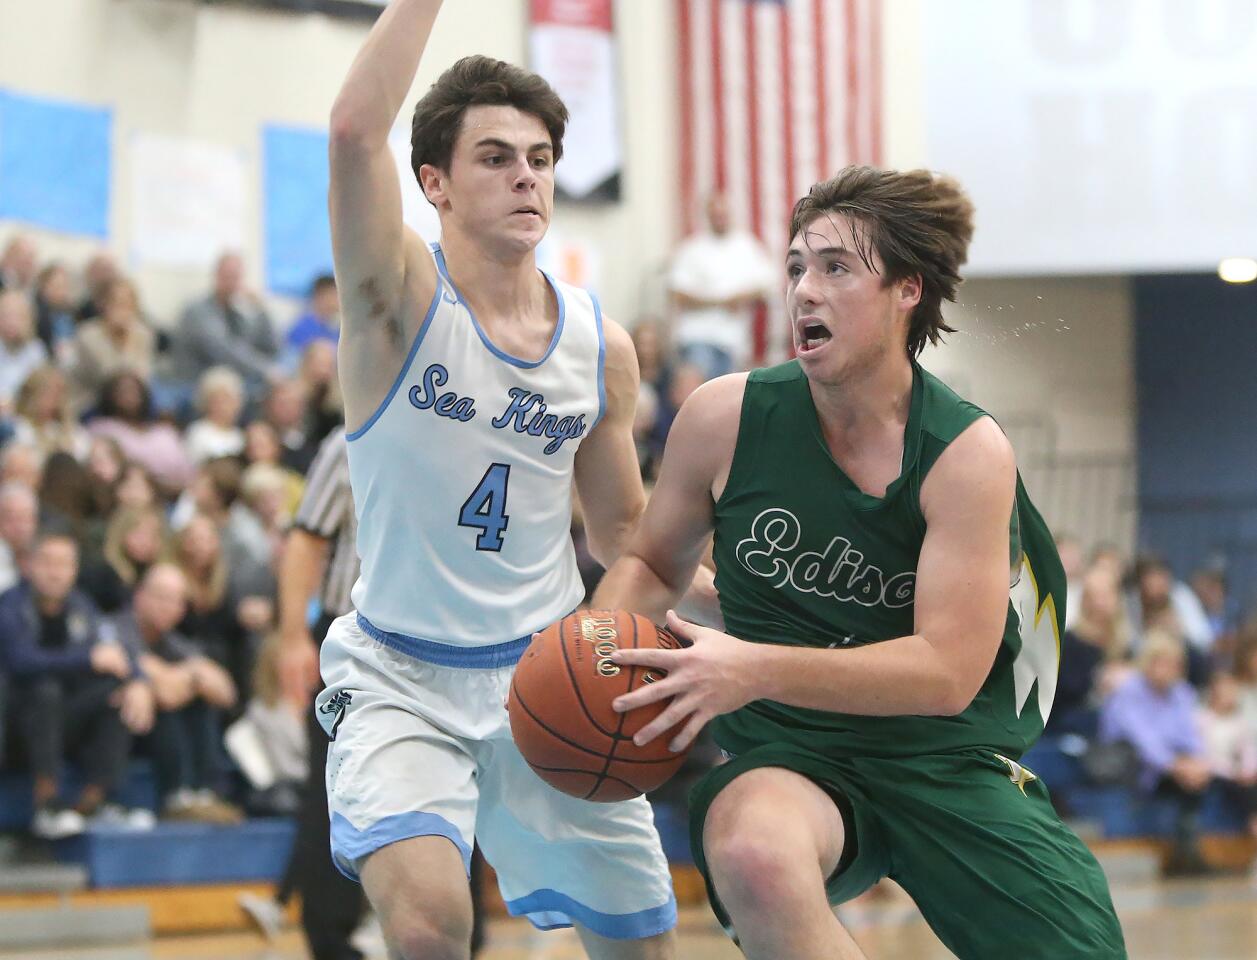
[619,729]
[576,687]
[515,697]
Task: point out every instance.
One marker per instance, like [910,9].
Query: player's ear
[432,181]
[910,289]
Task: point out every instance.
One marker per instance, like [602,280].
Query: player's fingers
[664,659]
[647,693]
[676,712]
[685,631]
[692,729]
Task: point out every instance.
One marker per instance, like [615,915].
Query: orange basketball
[560,707]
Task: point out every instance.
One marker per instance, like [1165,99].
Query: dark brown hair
[472,82]
[919,223]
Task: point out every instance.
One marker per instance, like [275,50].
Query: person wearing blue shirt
[321,321]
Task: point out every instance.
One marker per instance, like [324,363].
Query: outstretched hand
[713,674]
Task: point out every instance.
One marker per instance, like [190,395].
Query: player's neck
[868,402]
[495,287]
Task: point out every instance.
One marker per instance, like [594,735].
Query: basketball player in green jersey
[896,601]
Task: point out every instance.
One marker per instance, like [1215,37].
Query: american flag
[774,96]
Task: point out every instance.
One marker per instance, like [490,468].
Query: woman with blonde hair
[135,540]
[44,418]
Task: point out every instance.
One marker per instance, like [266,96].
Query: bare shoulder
[621,354]
[978,465]
[705,432]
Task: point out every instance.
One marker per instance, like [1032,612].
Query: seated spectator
[261,446]
[115,341]
[231,328]
[136,487]
[82,693]
[21,463]
[101,270]
[265,491]
[19,522]
[217,433]
[125,415]
[71,500]
[192,692]
[1231,746]
[287,410]
[212,620]
[321,321]
[325,406]
[19,264]
[136,539]
[54,312]
[1209,584]
[21,352]
[1155,712]
[278,726]
[44,418]
[1093,656]
[1158,600]
[105,462]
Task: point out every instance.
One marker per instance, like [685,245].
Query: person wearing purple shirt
[1155,712]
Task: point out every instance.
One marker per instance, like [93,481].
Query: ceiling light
[1238,269]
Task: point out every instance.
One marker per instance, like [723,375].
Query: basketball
[561,714]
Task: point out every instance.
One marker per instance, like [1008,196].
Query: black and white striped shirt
[327,511]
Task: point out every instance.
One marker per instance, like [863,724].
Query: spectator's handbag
[1113,764]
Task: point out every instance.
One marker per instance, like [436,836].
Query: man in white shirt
[717,277]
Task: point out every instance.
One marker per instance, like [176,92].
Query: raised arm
[380,265]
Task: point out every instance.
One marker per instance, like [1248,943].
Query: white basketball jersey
[462,479]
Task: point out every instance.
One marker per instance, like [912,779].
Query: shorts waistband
[483,657]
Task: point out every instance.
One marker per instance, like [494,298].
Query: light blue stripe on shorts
[549,910]
[350,845]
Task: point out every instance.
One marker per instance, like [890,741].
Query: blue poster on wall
[298,236]
[55,160]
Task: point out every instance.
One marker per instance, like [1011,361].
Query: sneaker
[181,804]
[55,822]
[266,914]
[208,807]
[117,816]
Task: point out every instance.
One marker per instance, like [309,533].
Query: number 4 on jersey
[485,509]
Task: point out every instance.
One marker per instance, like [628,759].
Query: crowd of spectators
[1158,688]
[148,473]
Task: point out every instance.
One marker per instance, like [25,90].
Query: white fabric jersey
[462,479]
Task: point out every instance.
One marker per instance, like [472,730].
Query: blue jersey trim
[448,655]
[410,358]
[350,845]
[602,359]
[549,909]
[502,354]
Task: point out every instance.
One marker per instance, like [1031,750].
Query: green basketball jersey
[805,558]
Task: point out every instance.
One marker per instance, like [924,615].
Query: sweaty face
[842,317]
[500,185]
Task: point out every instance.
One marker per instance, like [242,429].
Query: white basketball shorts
[421,746]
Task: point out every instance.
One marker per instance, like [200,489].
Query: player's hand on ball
[713,674]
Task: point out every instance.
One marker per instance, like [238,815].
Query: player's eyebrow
[822,252]
[510,147]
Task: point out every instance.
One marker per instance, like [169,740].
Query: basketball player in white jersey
[476,388]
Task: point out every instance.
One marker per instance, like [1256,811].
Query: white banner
[573,46]
[188,201]
[1097,135]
